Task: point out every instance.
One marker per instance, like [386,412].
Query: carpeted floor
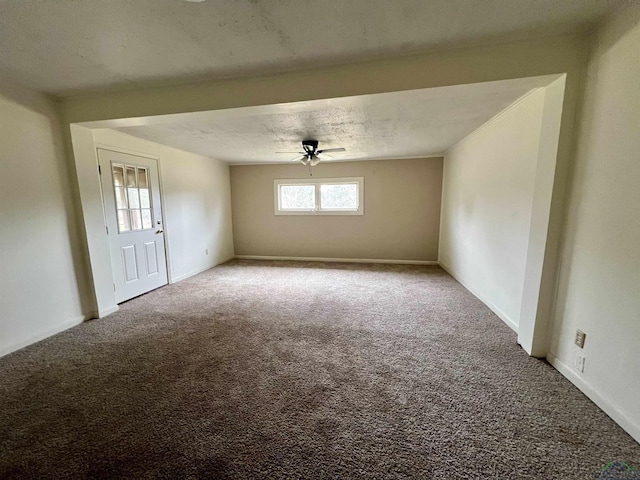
[298,370]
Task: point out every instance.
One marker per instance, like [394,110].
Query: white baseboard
[338,260]
[184,276]
[105,312]
[42,335]
[605,405]
[228,259]
[503,316]
[200,270]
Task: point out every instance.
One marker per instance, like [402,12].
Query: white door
[131,192]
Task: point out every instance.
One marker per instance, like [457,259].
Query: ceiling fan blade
[325,150]
[300,153]
[324,156]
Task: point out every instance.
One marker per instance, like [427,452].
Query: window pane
[121,198]
[134,200]
[118,175]
[339,197]
[123,221]
[131,176]
[297,197]
[146,218]
[144,198]
[136,220]
[142,178]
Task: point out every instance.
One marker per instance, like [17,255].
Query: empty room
[300,239]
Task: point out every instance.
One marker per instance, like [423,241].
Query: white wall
[196,201]
[43,281]
[46,283]
[599,282]
[487,199]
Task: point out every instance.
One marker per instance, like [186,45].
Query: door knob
[159,230]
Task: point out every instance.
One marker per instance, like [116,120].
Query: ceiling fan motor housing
[310,146]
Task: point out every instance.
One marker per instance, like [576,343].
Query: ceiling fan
[310,155]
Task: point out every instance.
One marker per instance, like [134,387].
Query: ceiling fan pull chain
[310,172]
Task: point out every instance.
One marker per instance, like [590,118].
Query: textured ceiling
[390,125]
[68,46]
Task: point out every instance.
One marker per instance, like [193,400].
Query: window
[319,196]
[133,201]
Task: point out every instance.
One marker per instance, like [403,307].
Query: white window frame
[278,182]
[126,190]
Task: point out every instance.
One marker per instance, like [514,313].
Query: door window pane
[121,198]
[134,199]
[339,197]
[136,220]
[297,197]
[143,181]
[123,221]
[131,177]
[146,218]
[144,198]
[118,175]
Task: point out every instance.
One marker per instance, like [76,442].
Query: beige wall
[43,286]
[488,192]
[599,283]
[400,222]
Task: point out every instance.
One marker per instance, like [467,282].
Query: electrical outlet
[580,338]
[579,362]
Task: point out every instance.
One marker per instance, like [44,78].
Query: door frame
[126,151]
[99,273]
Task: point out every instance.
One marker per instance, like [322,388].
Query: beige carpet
[298,370]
